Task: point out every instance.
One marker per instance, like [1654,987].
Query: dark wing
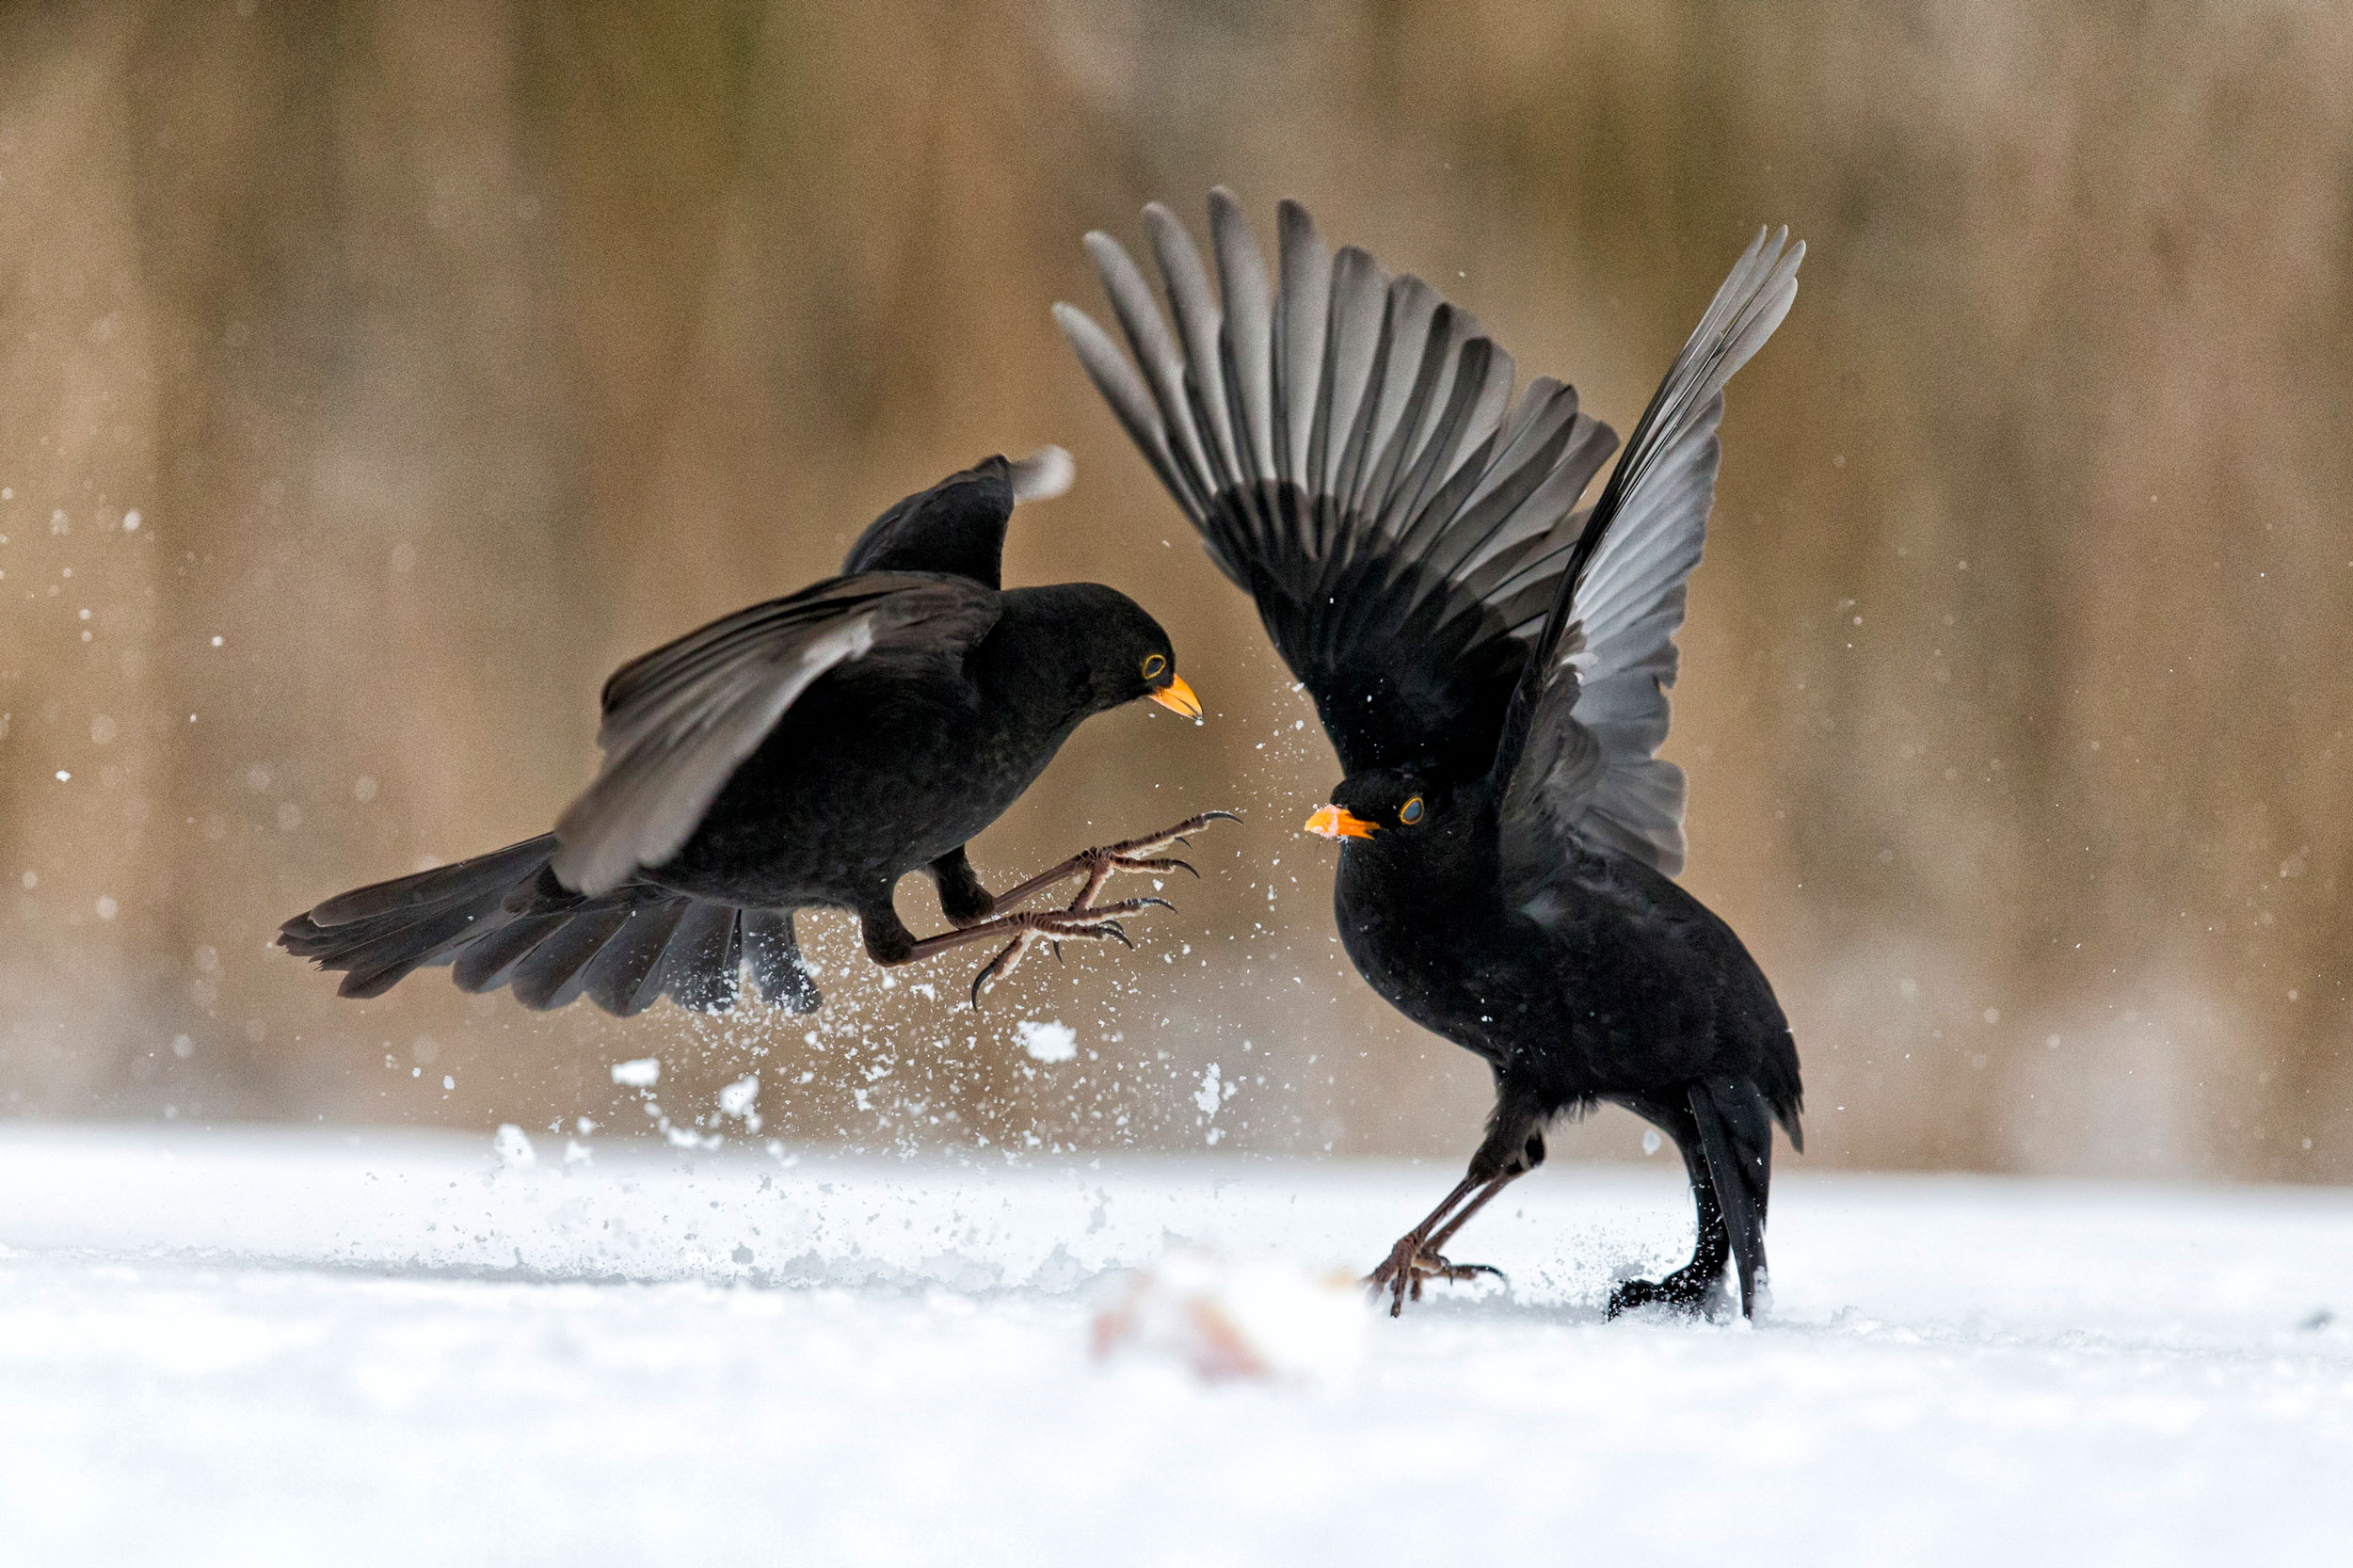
[1348,449]
[678,720]
[1592,709]
[959,525]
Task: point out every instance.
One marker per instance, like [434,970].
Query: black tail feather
[706,956]
[556,970]
[502,920]
[488,961]
[1736,1129]
[778,968]
[625,977]
[1784,1092]
[436,887]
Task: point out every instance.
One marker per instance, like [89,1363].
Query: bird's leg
[962,897]
[1685,1289]
[1513,1146]
[1416,1257]
[892,948]
[1100,863]
[1437,1243]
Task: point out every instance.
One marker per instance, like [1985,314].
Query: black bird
[1492,668]
[803,753]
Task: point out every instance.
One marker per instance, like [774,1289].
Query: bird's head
[1128,655]
[1389,808]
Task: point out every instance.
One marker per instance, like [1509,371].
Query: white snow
[738,1098]
[1047,1040]
[644,1073]
[288,1347]
[1206,1097]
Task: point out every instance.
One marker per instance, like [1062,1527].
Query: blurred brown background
[448,355]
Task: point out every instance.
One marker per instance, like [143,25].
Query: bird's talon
[1408,1268]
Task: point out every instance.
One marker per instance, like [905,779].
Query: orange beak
[1177,697]
[1330,822]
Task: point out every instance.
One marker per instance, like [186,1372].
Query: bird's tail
[502,919]
[1737,1132]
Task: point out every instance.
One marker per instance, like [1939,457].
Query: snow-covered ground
[324,1347]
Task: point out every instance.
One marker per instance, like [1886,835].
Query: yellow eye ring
[1153,666]
[1410,812]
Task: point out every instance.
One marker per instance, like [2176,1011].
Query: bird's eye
[1410,812]
[1153,666]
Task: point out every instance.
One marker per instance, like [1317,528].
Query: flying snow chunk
[1047,1039]
[1265,1321]
[514,1149]
[736,1100]
[1208,1096]
[644,1073]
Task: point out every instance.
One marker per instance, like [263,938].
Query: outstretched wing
[959,525]
[1348,447]
[678,720]
[1591,711]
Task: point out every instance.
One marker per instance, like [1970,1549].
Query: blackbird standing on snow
[1492,668]
[803,753]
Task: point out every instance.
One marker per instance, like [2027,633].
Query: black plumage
[806,752]
[1491,667]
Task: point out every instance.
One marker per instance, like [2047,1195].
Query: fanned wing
[678,720]
[1579,750]
[959,525]
[1348,446]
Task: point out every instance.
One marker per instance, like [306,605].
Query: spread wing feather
[1578,752]
[959,525]
[1348,446]
[678,720]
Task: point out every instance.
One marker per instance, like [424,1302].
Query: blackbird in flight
[803,753]
[1491,667]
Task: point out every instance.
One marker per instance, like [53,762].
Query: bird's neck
[1033,658]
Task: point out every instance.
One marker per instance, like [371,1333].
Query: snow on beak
[1330,822]
[1177,697]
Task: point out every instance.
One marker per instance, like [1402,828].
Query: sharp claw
[1113,926]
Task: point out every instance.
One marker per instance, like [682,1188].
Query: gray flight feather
[1591,711]
[1125,391]
[1352,454]
[1198,320]
[1156,354]
[1300,311]
[1247,350]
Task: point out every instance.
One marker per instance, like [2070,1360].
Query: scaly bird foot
[1100,864]
[1096,924]
[1408,1266]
